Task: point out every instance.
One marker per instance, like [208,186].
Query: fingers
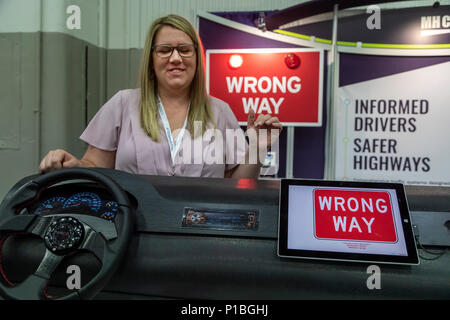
[251,118]
[70,161]
[53,160]
[261,120]
[276,125]
[57,159]
[267,121]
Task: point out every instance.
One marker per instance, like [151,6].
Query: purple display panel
[355,68]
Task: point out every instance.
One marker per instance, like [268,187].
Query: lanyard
[174,146]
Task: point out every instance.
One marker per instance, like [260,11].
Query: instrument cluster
[60,200]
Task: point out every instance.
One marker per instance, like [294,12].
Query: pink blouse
[116,127]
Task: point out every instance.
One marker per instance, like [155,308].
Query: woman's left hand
[272,126]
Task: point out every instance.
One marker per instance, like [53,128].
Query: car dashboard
[170,257]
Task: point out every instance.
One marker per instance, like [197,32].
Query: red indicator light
[292,61]
[246,184]
[235,61]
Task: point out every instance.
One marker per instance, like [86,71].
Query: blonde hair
[200,109]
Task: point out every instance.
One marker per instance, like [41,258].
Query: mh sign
[286,83]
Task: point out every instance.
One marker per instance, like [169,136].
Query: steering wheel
[66,233]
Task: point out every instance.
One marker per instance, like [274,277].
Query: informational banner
[286,83]
[396,128]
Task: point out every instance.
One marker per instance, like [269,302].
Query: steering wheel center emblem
[63,235]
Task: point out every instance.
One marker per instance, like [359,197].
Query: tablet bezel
[284,252]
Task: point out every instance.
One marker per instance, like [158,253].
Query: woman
[151,130]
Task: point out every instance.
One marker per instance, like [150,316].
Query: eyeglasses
[165,51]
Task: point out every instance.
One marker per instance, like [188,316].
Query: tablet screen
[350,221]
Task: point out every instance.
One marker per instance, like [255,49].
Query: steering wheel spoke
[95,243]
[48,264]
[39,226]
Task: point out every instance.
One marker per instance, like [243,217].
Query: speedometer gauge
[110,210]
[84,199]
[50,205]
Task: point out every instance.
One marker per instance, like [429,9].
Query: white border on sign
[277,50]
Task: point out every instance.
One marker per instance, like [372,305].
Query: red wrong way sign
[354,215]
[286,83]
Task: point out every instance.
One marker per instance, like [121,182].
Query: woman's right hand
[57,159]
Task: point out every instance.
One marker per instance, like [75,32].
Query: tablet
[346,221]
